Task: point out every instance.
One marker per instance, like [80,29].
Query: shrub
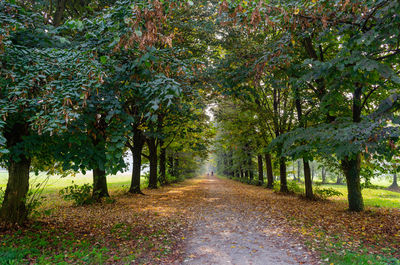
[172,179]
[277,186]
[81,195]
[292,187]
[325,193]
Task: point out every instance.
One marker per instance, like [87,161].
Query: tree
[41,94]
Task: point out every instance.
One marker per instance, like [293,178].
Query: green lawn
[372,197]
[56,183]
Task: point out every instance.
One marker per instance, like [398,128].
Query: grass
[372,197]
[40,242]
[337,254]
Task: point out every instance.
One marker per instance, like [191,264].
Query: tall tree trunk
[307,179]
[312,172]
[283,176]
[394,183]
[270,174]
[294,172]
[303,124]
[323,175]
[59,14]
[351,166]
[13,209]
[151,143]
[298,170]
[176,166]
[99,174]
[260,170]
[250,165]
[339,179]
[171,164]
[99,184]
[241,174]
[163,154]
[351,169]
[137,147]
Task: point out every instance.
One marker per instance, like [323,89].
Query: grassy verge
[372,197]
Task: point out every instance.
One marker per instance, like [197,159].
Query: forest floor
[206,220]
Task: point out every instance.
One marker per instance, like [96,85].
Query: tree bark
[339,179]
[59,13]
[14,208]
[323,175]
[312,172]
[260,170]
[351,166]
[246,174]
[294,173]
[283,176]
[99,184]
[163,175]
[171,164]
[270,174]
[99,174]
[307,179]
[394,183]
[151,143]
[298,170]
[351,169]
[176,166]
[138,142]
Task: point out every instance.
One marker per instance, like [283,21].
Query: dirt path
[227,228]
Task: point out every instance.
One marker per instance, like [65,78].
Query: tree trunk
[312,172]
[338,179]
[260,170]
[13,209]
[99,184]
[171,164]
[283,176]
[270,175]
[151,143]
[138,142]
[323,175]
[176,167]
[99,174]
[59,14]
[241,174]
[351,166]
[351,169]
[307,179]
[298,170]
[394,183]
[294,172]
[163,175]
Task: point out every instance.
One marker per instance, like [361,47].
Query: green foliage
[325,193]
[174,179]
[293,187]
[80,195]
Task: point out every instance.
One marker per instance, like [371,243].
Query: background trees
[336,62]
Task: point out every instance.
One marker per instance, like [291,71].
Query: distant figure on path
[212,173]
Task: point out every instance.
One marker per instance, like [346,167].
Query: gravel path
[227,229]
